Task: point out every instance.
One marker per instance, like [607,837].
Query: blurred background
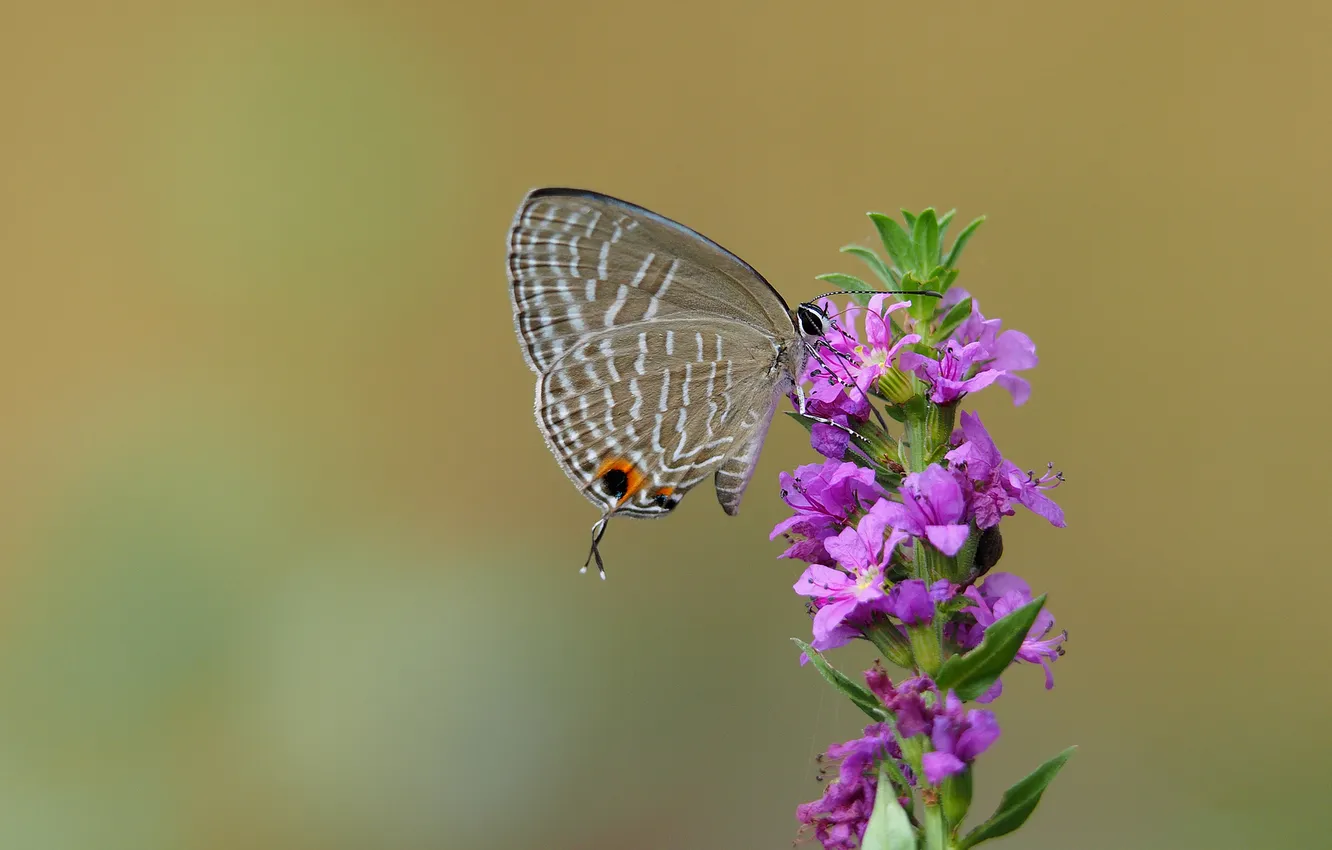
[284,561]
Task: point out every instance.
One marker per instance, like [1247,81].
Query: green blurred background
[284,562]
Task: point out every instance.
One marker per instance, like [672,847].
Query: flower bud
[891,643]
[925,648]
[955,794]
[895,385]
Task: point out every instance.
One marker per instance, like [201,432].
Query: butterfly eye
[813,321]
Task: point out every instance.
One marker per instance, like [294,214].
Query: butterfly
[660,356]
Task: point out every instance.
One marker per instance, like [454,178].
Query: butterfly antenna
[926,292]
[598,531]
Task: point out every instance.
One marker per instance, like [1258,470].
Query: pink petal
[830,617]
[992,693]
[876,330]
[847,548]
[997,585]
[940,765]
[820,581]
[1014,350]
[981,381]
[1043,506]
[915,361]
[947,538]
[1018,388]
[786,525]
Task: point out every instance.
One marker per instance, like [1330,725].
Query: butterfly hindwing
[663,406]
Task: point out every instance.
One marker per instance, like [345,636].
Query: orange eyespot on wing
[619,478]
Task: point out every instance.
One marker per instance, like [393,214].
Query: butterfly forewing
[581,261]
[660,355]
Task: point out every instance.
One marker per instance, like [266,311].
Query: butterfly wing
[638,417]
[580,261]
[660,355]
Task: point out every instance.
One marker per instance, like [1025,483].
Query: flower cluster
[899,534]
[838,819]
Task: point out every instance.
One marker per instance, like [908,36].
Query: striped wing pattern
[660,356]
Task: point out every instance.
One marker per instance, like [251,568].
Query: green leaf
[895,411]
[895,240]
[943,223]
[955,254]
[956,316]
[862,696]
[909,217]
[1018,802]
[926,237]
[848,282]
[972,674]
[878,266]
[945,280]
[889,828]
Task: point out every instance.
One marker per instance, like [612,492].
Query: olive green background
[284,562]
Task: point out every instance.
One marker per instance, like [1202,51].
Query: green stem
[936,829]
[941,419]
[918,443]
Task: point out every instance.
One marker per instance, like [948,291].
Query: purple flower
[839,817]
[829,440]
[932,508]
[846,599]
[876,358]
[913,603]
[841,376]
[829,374]
[824,496]
[879,683]
[996,597]
[864,547]
[839,597]
[962,370]
[958,738]
[1008,352]
[905,700]
[994,483]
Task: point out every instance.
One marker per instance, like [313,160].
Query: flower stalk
[900,532]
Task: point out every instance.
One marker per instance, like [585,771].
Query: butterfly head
[813,321]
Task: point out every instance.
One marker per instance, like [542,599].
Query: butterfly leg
[800,407]
[598,531]
[813,349]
